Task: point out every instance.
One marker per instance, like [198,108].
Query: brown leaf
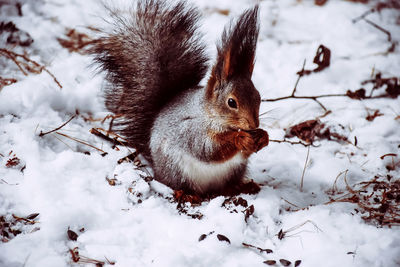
[320,2]
[202,237]
[240,201]
[359,94]
[223,238]
[322,58]
[313,130]
[285,262]
[281,234]
[270,262]
[297,263]
[32,216]
[72,235]
[372,117]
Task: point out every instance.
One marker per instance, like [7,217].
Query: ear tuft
[236,51]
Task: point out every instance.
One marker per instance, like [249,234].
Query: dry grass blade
[304,170]
[82,142]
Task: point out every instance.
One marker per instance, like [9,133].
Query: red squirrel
[197,139]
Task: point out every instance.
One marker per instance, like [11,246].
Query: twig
[292,142]
[300,74]
[362,16]
[379,28]
[114,140]
[58,128]
[315,98]
[304,170]
[13,56]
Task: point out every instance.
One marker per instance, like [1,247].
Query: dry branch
[27,64]
[58,128]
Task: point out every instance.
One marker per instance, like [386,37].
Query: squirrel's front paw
[260,137]
[245,143]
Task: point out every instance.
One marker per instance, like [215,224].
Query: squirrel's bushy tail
[149,58]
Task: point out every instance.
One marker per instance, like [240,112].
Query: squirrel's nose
[254,122]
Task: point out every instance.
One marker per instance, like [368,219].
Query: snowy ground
[136,222]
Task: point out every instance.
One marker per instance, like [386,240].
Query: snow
[136,222]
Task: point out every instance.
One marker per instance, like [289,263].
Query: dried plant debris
[113,181]
[322,58]
[72,235]
[358,94]
[223,238]
[204,236]
[285,262]
[76,41]
[113,138]
[186,202]
[6,81]
[313,130]
[391,85]
[78,258]
[181,197]
[13,35]
[238,204]
[13,162]
[372,116]
[26,65]
[12,225]
[270,262]
[261,250]
[231,202]
[378,200]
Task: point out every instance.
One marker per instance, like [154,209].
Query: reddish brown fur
[227,70]
[232,142]
[227,147]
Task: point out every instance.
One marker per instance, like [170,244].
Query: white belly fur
[203,174]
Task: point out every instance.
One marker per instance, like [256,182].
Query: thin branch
[300,74]
[292,143]
[379,28]
[58,128]
[362,16]
[302,97]
[316,97]
[13,56]
[114,141]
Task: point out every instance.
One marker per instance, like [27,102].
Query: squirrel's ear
[227,70]
[236,51]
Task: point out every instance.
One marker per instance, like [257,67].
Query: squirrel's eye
[232,103]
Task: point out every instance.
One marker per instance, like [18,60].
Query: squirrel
[197,139]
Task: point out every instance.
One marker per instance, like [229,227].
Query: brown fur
[232,142]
